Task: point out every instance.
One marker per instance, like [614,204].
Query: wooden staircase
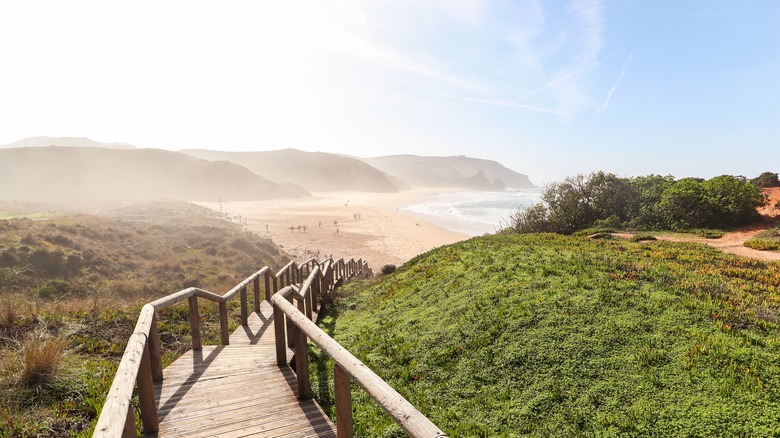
[245,387]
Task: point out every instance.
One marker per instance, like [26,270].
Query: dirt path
[733,242]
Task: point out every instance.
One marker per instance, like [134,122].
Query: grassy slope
[92,302]
[558,336]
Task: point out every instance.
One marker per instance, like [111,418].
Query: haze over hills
[314,171]
[100,174]
[459,171]
[78,168]
[39,142]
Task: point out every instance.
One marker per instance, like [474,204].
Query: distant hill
[314,171]
[99,174]
[40,142]
[460,171]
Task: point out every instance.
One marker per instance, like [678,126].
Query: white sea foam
[473,213]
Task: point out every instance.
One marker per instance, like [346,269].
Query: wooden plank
[238,389]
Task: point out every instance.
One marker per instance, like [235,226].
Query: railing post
[155,355]
[307,303]
[315,291]
[290,327]
[223,324]
[129,430]
[267,285]
[281,348]
[257,293]
[244,311]
[194,322]
[302,361]
[146,393]
[343,390]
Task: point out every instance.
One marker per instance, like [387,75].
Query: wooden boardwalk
[237,390]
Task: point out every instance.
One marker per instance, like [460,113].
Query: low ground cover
[549,335]
[767,240]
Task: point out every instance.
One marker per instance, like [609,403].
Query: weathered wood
[146,393]
[267,277]
[128,431]
[141,364]
[343,395]
[224,331]
[290,326]
[403,412]
[244,309]
[302,360]
[279,328]
[117,407]
[237,391]
[173,298]
[194,322]
[155,352]
[257,293]
[210,296]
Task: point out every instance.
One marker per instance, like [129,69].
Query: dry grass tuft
[41,357]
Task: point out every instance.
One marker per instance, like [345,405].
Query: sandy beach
[371,226]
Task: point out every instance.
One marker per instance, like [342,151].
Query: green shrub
[708,233]
[604,200]
[766,179]
[767,240]
[642,237]
[53,289]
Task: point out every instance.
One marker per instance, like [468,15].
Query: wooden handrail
[412,421]
[115,410]
[141,363]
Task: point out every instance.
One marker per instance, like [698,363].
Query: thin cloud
[615,86]
[588,15]
[503,103]
[568,75]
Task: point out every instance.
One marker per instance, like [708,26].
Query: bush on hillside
[388,269]
[650,202]
[766,179]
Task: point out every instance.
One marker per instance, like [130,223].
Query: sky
[548,88]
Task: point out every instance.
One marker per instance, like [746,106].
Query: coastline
[372,226]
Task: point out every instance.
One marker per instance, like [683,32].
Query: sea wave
[473,213]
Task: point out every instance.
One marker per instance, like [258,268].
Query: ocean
[473,213]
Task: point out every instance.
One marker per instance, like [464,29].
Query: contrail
[502,103]
[568,76]
[614,88]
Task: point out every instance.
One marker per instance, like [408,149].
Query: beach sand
[371,226]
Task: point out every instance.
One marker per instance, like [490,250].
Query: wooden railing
[306,283]
[299,329]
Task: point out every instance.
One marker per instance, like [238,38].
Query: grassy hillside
[548,335]
[70,291]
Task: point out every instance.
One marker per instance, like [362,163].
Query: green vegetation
[767,240]
[70,292]
[551,335]
[766,179]
[646,202]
